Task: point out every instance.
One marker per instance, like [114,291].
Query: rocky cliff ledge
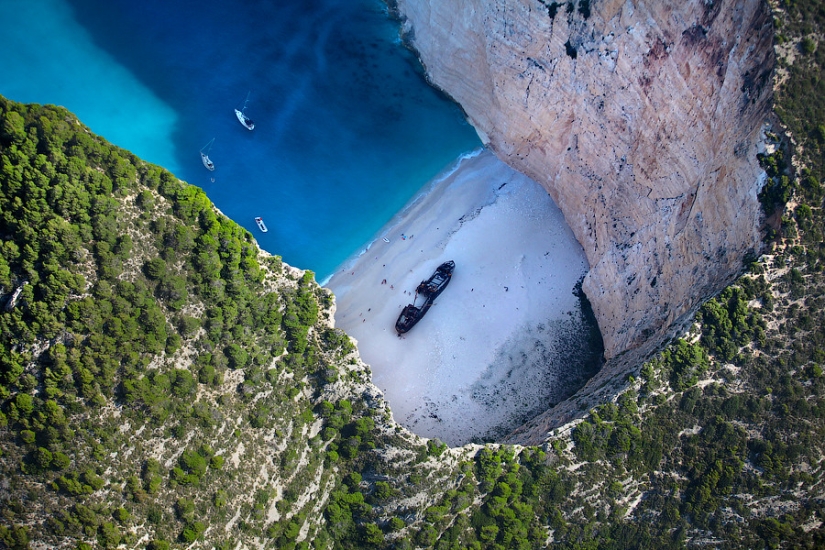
[640,118]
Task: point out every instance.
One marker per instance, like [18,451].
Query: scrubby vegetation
[162,381]
[164,384]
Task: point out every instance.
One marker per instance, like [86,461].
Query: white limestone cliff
[641,121]
[640,118]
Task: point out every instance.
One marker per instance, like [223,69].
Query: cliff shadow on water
[340,109]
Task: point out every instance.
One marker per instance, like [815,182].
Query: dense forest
[164,383]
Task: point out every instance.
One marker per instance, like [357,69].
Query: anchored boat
[261,224]
[242,118]
[205,156]
[429,290]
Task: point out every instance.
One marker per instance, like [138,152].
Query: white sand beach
[501,342]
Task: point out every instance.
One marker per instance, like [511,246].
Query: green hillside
[154,359]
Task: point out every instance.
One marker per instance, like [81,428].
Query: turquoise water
[347,130]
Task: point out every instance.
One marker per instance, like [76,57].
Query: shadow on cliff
[550,370]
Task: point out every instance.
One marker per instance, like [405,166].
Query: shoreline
[399,216]
[497,344]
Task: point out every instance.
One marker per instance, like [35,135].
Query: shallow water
[347,129]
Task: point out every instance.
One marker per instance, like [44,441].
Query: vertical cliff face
[641,118]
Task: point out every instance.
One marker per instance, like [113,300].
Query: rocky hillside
[642,120]
[164,384]
[162,380]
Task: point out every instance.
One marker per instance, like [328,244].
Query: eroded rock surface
[641,119]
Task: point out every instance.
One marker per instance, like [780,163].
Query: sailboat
[207,162]
[242,118]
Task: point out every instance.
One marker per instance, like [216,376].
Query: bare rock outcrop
[641,119]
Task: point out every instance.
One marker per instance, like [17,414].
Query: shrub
[372,535]
[193,532]
[155,268]
[807,45]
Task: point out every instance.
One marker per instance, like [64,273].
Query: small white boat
[261,224]
[207,162]
[242,118]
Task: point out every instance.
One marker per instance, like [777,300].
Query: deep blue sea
[347,129]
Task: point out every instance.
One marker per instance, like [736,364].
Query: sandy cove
[501,343]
